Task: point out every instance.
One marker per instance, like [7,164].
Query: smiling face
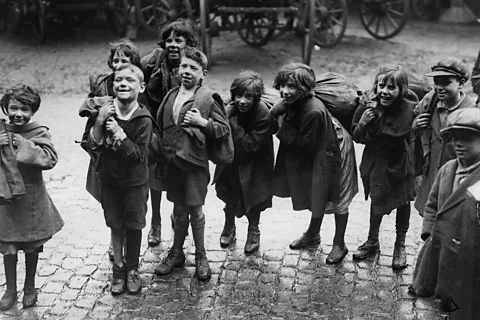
[19,113]
[191,72]
[387,92]
[175,46]
[289,92]
[127,85]
[244,102]
[466,144]
[447,87]
[119,59]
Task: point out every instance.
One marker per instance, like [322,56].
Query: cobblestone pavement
[274,283]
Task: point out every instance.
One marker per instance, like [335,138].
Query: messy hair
[301,75]
[396,74]
[129,50]
[133,68]
[22,93]
[181,28]
[197,56]
[247,82]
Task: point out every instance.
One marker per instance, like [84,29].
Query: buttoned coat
[434,151]
[448,265]
[387,163]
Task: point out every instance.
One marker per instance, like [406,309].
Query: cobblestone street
[274,283]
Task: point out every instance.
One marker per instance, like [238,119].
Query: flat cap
[450,66]
[466,119]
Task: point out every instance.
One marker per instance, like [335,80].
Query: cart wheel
[384,19]
[330,22]
[204,30]
[256,29]
[39,22]
[153,14]
[308,37]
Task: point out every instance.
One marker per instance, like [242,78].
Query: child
[246,185]
[476,77]
[432,152]
[191,119]
[307,168]
[118,143]
[30,220]
[161,75]
[448,265]
[383,124]
[121,52]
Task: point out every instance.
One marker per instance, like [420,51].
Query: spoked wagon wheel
[39,22]
[256,29]
[205,36]
[153,14]
[330,22]
[384,19]
[308,37]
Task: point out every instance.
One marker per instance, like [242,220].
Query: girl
[383,124]
[31,220]
[308,160]
[246,185]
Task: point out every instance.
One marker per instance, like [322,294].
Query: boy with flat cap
[448,265]
[431,150]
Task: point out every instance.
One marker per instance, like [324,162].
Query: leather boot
[174,259]
[337,254]
[304,241]
[369,248]
[155,235]
[253,240]
[30,297]
[228,234]
[202,267]
[399,260]
[8,299]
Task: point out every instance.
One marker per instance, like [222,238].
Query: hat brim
[440,73]
[459,128]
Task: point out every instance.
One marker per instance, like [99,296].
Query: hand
[194,118]
[17,139]
[105,112]
[112,125]
[367,116]
[3,138]
[421,121]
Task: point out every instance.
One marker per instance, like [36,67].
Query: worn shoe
[228,235]
[174,259]
[30,297]
[367,249]
[399,260]
[117,286]
[253,240]
[337,254]
[8,299]
[202,267]
[134,283]
[155,235]
[304,241]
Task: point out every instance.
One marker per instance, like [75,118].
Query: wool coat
[246,184]
[431,150]
[448,265]
[32,217]
[307,168]
[387,163]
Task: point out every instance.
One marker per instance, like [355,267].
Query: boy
[118,142]
[161,75]
[431,151]
[191,119]
[448,265]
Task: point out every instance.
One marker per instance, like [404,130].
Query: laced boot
[202,267]
[305,240]
[228,234]
[253,240]
[399,260]
[155,235]
[367,249]
[174,259]
[30,297]
[337,254]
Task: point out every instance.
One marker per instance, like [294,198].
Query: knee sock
[10,265]
[155,201]
[253,219]
[134,242]
[198,227]
[314,227]
[402,221]
[181,217]
[340,227]
[31,261]
[375,222]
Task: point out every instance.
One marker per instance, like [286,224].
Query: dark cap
[450,66]
[466,119]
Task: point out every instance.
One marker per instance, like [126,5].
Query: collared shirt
[462,173]
[444,111]
[182,97]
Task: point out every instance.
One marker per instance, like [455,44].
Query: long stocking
[253,219]
[314,227]
[10,265]
[181,217]
[340,227]
[198,227]
[156,201]
[134,242]
[402,221]
[375,222]
[31,261]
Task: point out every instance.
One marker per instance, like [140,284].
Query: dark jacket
[448,265]
[189,143]
[307,168]
[433,151]
[246,184]
[126,166]
[476,77]
[387,163]
[32,217]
